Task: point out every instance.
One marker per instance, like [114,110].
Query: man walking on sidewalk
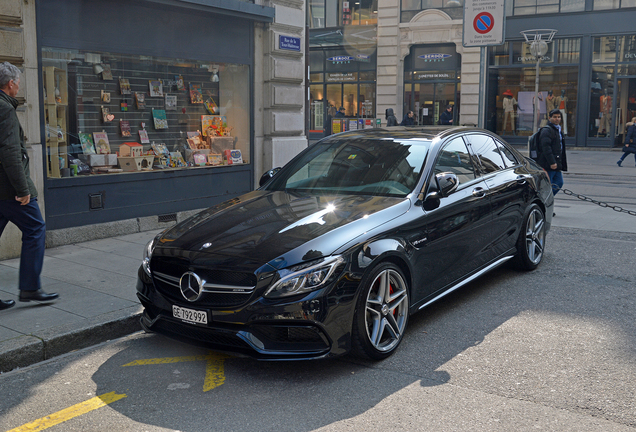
[18,196]
[552,157]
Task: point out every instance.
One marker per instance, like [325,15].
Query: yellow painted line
[214,369]
[69,413]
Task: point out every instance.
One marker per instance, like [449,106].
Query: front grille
[224,284]
[195,333]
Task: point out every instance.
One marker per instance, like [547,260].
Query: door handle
[479,192]
[522,179]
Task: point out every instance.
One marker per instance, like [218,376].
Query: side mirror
[268,176]
[447,183]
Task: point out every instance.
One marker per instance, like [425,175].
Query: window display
[97,103]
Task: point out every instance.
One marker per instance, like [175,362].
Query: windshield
[357,166]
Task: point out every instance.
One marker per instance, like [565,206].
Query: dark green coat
[14,160]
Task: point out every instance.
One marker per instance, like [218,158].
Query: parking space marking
[69,413]
[214,369]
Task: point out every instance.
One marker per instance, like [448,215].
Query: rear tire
[531,241]
[382,312]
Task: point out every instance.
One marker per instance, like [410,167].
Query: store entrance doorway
[429,100]
[625,107]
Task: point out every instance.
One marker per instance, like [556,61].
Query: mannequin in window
[561,105]
[606,107]
[509,104]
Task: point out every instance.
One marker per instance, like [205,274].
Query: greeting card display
[124,86]
[215,159]
[156,88]
[124,126]
[105,97]
[107,73]
[179,81]
[233,157]
[213,125]
[159,117]
[140,100]
[86,140]
[143,136]
[107,117]
[195,142]
[176,160]
[171,102]
[102,145]
[199,159]
[196,94]
[160,149]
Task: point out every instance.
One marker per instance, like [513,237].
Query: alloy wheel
[535,236]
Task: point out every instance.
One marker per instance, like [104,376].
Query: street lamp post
[538,40]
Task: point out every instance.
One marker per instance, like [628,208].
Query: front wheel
[531,241]
[382,312]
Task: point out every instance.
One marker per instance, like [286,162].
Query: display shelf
[56,119]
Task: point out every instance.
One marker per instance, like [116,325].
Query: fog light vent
[172,217]
[96,201]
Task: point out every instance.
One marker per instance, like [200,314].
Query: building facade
[141,113]
[421,65]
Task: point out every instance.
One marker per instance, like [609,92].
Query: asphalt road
[551,350]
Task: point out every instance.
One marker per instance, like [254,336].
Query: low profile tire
[382,312]
[531,242]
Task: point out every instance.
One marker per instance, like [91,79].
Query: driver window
[455,158]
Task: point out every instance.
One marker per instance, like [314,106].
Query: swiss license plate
[190,315]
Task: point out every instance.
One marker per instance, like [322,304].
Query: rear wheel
[381,313]
[531,242]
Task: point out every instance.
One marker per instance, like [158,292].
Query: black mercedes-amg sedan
[339,247]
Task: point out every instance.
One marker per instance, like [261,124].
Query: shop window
[628,49]
[108,113]
[568,51]
[606,4]
[521,53]
[511,101]
[604,49]
[500,54]
[601,99]
[410,8]
[534,7]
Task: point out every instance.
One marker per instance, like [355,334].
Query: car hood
[282,228]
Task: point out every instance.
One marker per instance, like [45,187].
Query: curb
[33,348]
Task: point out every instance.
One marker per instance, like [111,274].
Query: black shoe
[6,304]
[38,295]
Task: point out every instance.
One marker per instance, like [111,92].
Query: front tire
[531,241]
[382,312]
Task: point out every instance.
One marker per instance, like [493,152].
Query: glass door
[625,107]
[429,100]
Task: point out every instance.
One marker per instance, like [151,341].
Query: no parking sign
[484,23]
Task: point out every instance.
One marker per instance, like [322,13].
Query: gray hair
[8,72]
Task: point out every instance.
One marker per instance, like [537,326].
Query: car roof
[423,132]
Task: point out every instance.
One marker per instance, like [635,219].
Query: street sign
[484,22]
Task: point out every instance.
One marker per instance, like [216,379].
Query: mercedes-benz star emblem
[191,286]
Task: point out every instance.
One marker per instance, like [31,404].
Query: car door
[457,232]
[509,187]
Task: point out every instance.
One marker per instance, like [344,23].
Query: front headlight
[305,277]
[150,247]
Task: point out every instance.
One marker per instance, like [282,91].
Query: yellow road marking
[214,369]
[69,413]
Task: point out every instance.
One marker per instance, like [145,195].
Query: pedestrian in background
[630,141]
[391,120]
[446,118]
[408,119]
[18,196]
[552,156]
[340,113]
[331,112]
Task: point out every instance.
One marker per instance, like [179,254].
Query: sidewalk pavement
[96,280]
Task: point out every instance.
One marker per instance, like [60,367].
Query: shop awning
[236,8]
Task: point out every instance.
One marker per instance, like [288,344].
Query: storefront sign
[341,76]
[289,43]
[434,57]
[434,75]
[483,23]
[341,59]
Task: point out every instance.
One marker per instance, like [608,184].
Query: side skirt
[470,279]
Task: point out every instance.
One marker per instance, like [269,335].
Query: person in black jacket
[408,119]
[446,118]
[391,120]
[552,156]
[18,196]
[630,141]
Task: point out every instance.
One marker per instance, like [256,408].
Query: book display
[191,121]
